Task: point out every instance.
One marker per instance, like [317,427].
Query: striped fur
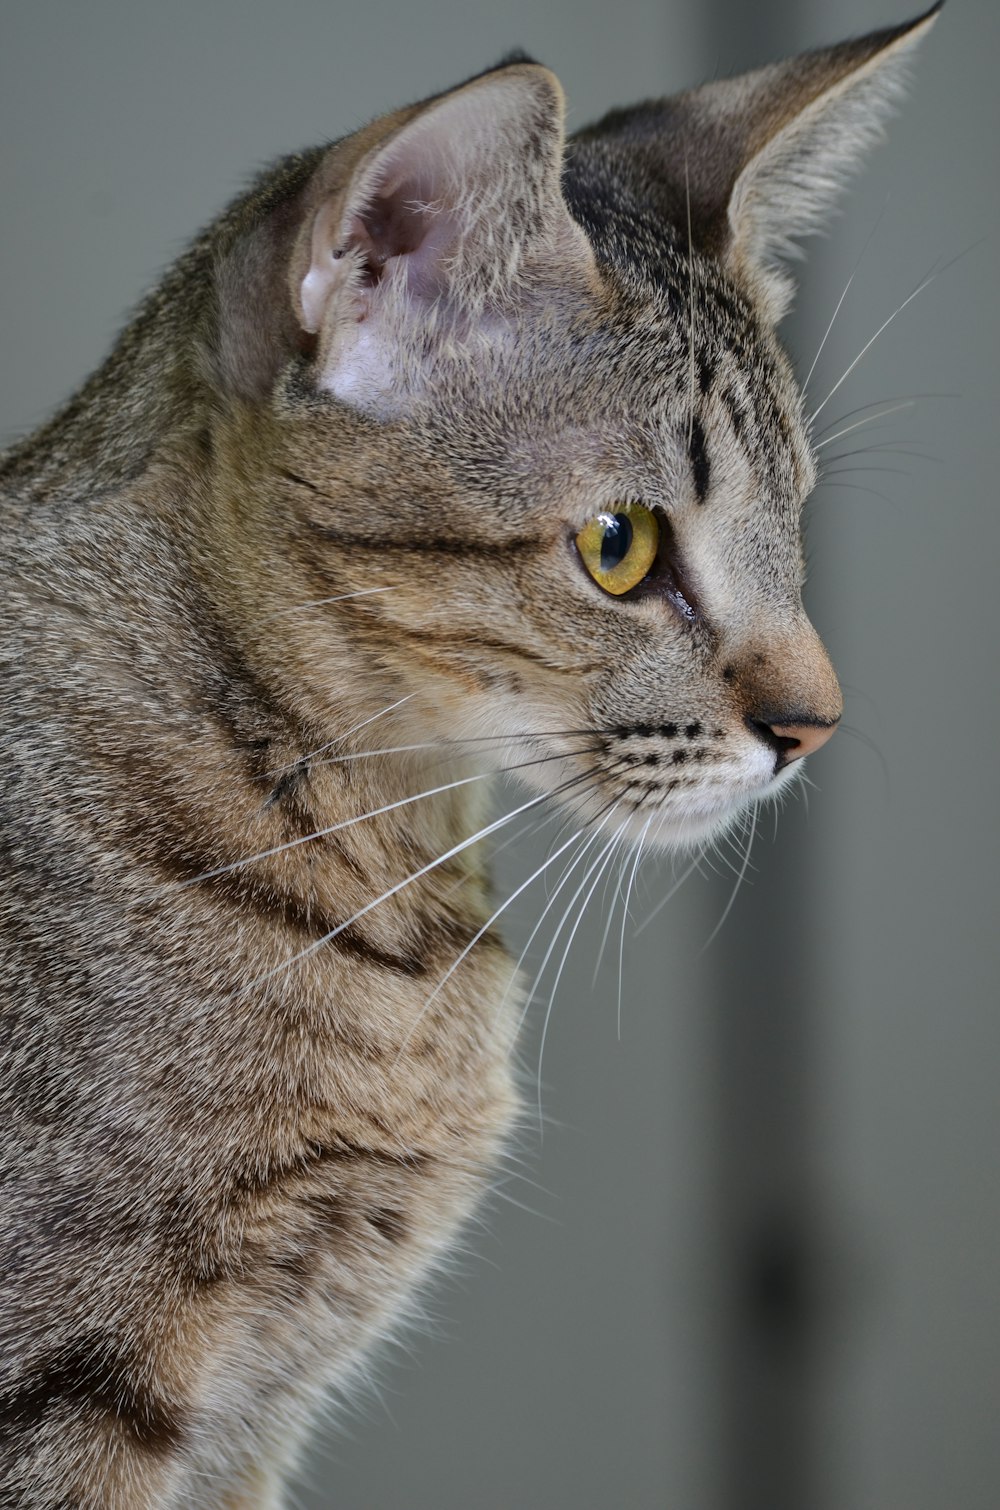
[321,499]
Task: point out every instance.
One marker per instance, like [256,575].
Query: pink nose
[803,739]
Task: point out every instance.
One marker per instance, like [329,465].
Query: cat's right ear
[450,219]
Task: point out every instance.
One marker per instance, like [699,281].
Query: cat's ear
[758,160]
[449,219]
[811,120]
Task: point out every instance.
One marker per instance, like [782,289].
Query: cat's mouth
[670,787]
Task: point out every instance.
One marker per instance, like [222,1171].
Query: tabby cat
[449,448]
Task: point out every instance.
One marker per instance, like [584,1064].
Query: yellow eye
[618,549]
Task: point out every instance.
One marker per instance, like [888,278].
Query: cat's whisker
[885,448]
[416,875]
[614,903]
[829,472]
[589,841]
[839,305]
[333,828]
[304,760]
[361,592]
[910,398]
[577,859]
[857,487]
[525,831]
[689,870]
[865,739]
[625,916]
[616,898]
[739,881]
[480,932]
[691,360]
[599,865]
[389,807]
[453,744]
[921,286]
[870,420]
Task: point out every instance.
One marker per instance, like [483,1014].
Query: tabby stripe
[453,641]
[248,894]
[700,466]
[251,713]
[445,545]
[737,414]
[263,1180]
[90,1373]
[436,545]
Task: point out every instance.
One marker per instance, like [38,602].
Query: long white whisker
[926,282]
[739,881]
[829,472]
[691,361]
[452,745]
[674,889]
[874,403]
[575,860]
[485,929]
[859,424]
[572,901]
[857,487]
[416,875]
[362,592]
[334,828]
[931,277]
[840,301]
[600,864]
[524,831]
[354,729]
[616,898]
[628,895]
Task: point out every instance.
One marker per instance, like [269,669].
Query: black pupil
[617,540]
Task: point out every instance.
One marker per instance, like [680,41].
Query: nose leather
[806,738]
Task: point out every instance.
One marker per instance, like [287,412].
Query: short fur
[323,496]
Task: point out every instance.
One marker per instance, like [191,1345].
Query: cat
[449,448]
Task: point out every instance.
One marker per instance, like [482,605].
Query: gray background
[762,1261]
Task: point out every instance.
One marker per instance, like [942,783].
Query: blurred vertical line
[764,1012]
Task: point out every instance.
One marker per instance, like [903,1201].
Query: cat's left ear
[451,217]
[757,160]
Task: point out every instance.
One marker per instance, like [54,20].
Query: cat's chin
[702,824]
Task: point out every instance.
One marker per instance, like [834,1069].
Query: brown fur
[246,1102]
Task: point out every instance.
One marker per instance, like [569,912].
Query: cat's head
[541,426]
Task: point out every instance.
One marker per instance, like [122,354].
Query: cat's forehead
[669,382]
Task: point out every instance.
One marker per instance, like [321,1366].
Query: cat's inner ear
[452,219]
[403,227]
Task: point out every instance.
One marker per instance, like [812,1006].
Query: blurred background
[754,1263]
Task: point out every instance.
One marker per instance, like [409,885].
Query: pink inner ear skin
[400,224]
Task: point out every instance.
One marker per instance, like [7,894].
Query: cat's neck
[160,383]
[147,391]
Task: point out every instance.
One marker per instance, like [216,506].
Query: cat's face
[544,436]
[540,443]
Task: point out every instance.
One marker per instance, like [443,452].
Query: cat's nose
[788,690]
[795,740]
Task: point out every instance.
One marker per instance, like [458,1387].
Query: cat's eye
[619,548]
